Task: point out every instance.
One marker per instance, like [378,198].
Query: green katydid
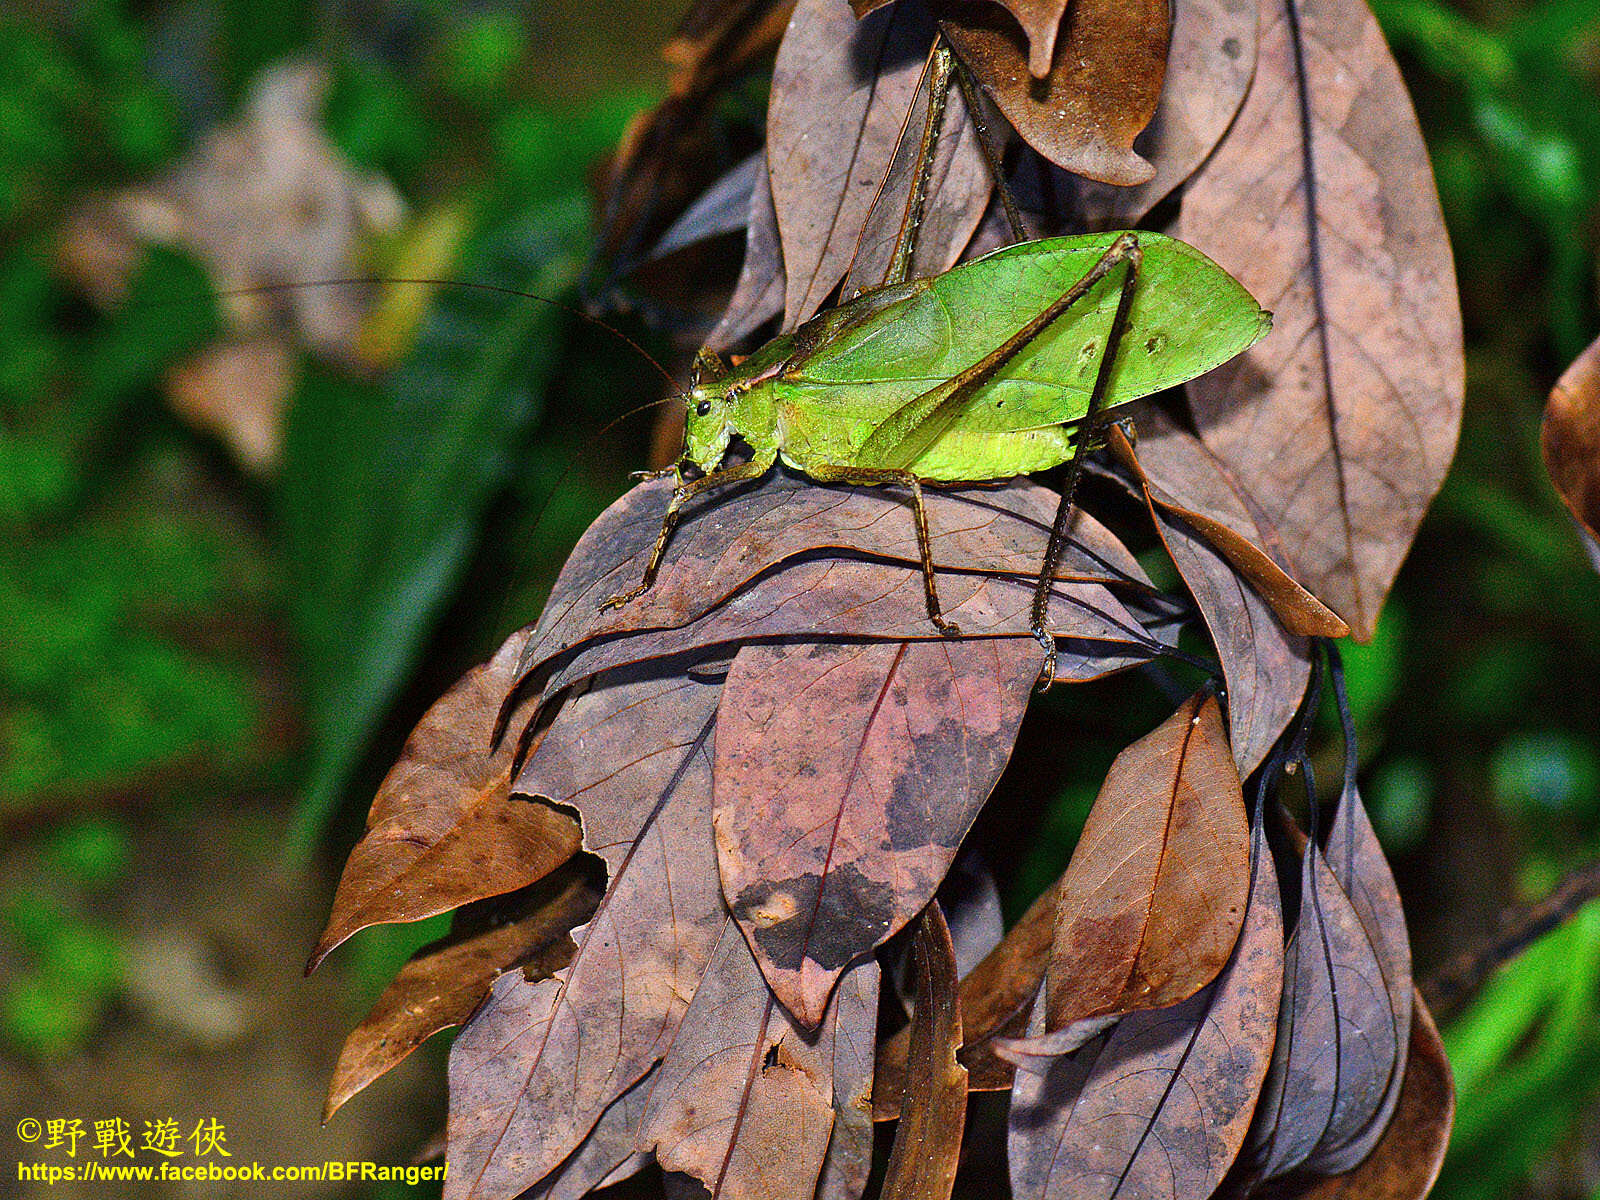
[990,370]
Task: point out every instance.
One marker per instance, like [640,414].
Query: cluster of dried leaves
[694,844]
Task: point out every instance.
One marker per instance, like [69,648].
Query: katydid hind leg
[681,495]
[1127,250]
[831,473]
[941,64]
[993,151]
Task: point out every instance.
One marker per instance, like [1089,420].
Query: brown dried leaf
[758,294]
[927,1145]
[537,1066]
[958,190]
[744,1101]
[840,93]
[1266,667]
[846,777]
[658,167]
[1152,902]
[1336,1048]
[607,1155]
[1188,483]
[837,599]
[1341,423]
[1357,862]
[849,1160]
[996,999]
[1101,88]
[725,541]
[1209,67]
[1570,438]
[443,830]
[722,208]
[1405,1163]
[445,981]
[1160,1106]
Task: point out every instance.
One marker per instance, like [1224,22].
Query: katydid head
[707,430]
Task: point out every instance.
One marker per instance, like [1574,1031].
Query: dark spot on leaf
[1230,47]
[790,924]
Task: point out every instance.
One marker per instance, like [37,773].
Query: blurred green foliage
[158,607]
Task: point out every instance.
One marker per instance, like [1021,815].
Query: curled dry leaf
[1040,21]
[1336,1046]
[1357,862]
[1406,1161]
[1159,1107]
[841,90]
[726,541]
[822,600]
[1570,438]
[724,207]
[846,777]
[1185,481]
[996,999]
[744,1101]
[1152,902]
[970,899]
[656,168]
[1340,424]
[1100,90]
[445,981]
[537,1066]
[1209,66]
[443,830]
[1266,667]
[927,1145]
[848,1164]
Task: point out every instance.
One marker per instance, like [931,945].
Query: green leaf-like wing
[1188,316]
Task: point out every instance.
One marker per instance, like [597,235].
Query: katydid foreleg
[1127,250]
[681,495]
[833,473]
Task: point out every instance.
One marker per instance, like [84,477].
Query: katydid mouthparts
[998,367]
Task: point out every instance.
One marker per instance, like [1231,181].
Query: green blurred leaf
[1400,798]
[44,1017]
[376,120]
[94,851]
[382,492]
[1526,1057]
[479,56]
[1548,772]
[1373,670]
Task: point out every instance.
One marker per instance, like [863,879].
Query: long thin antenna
[375,280]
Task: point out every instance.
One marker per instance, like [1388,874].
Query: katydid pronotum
[995,368]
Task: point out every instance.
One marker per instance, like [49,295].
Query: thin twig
[1457,980]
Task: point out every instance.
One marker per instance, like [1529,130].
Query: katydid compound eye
[703,409]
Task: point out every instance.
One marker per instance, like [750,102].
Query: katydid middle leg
[836,473]
[681,495]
